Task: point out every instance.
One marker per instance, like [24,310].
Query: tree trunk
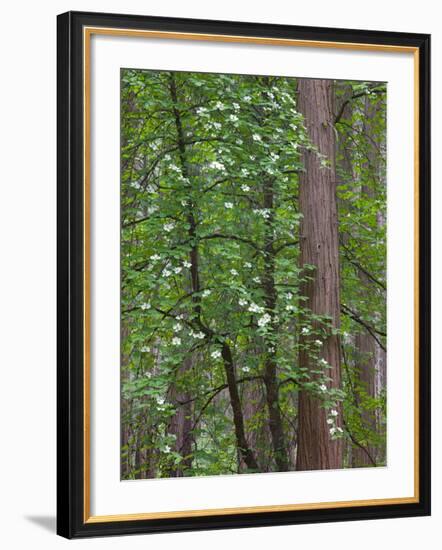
[181,422]
[365,381]
[319,247]
[229,368]
[369,350]
[270,378]
[238,419]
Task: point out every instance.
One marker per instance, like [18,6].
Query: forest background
[253,258]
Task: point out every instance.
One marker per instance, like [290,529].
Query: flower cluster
[168,227]
[254,308]
[332,422]
[264,212]
[264,320]
[217,165]
[198,335]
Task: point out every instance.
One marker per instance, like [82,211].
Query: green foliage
[210,260]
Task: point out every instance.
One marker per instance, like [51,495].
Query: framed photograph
[243,274]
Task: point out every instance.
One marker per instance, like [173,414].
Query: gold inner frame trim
[87,34]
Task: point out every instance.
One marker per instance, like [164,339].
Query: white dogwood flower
[215,354]
[228,204]
[217,165]
[264,320]
[176,341]
[146,305]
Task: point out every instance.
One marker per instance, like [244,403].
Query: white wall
[27,273]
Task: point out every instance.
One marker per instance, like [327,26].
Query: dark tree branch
[355,96]
[356,442]
[348,255]
[347,311]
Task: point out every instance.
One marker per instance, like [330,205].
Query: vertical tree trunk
[229,367]
[368,349]
[125,410]
[366,377]
[238,418]
[270,378]
[319,247]
[181,422]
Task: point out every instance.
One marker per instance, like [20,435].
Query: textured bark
[181,422]
[253,401]
[319,247]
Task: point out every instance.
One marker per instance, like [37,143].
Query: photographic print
[253,274]
[243,274]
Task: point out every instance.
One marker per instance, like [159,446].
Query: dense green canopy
[211,279]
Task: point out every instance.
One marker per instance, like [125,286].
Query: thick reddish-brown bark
[319,247]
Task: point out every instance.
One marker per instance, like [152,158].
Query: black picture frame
[71,519]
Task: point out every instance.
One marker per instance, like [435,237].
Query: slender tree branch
[351,259]
[355,96]
[356,442]
[347,311]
